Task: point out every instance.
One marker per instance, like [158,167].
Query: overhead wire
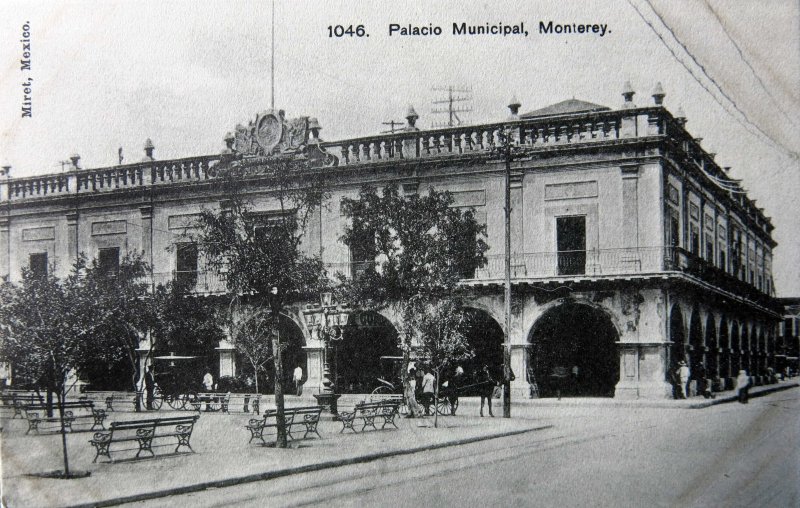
[744,59]
[744,120]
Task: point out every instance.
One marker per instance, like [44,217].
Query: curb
[228,482]
[752,395]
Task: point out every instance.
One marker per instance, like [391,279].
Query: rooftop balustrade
[539,132]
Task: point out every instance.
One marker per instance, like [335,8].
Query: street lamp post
[329,329]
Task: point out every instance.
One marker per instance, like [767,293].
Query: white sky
[110,74]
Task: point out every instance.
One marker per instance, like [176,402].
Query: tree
[184,324]
[131,313]
[416,248]
[47,325]
[440,331]
[251,329]
[260,253]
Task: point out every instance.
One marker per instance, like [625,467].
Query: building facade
[631,248]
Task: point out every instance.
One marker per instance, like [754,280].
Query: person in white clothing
[683,377]
[428,382]
[298,380]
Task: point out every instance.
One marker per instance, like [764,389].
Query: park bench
[367,412]
[109,398]
[378,397]
[17,402]
[306,417]
[36,416]
[143,432]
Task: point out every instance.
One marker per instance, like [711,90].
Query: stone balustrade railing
[533,132]
[112,178]
[538,132]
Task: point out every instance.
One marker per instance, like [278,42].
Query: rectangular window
[673,230]
[108,260]
[709,251]
[37,263]
[694,240]
[571,244]
[722,261]
[186,264]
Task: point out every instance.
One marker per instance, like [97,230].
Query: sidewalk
[223,457]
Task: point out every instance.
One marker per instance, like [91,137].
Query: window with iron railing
[186,264]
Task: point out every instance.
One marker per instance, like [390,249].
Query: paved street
[726,455]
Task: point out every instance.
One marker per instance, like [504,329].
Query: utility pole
[452,111]
[392,124]
[272,60]
[507,282]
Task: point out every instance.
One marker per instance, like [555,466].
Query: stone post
[227,359]
[313,368]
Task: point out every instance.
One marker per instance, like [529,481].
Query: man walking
[743,386]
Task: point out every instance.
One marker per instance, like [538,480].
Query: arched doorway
[569,336]
[747,356]
[725,347]
[369,350]
[696,347]
[485,337]
[712,356]
[677,336]
[292,355]
[736,350]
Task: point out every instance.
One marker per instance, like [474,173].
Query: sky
[111,74]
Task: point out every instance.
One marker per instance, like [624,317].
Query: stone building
[631,248]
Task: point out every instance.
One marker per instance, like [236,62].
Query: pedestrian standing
[298,380]
[743,386]
[455,383]
[208,387]
[485,387]
[428,382]
[531,378]
[683,376]
[150,386]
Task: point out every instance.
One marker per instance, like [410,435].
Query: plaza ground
[224,457]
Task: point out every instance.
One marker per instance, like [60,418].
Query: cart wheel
[191,402]
[174,401]
[443,407]
[214,403]
[158,398]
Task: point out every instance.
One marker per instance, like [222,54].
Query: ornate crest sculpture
[272,134]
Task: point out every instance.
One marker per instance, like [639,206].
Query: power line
[747,63]
[763,134]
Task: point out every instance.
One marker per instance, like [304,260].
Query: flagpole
[272,60]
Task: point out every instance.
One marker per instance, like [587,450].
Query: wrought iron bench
[35,415]
[143,432]
[367,412]
[306,417]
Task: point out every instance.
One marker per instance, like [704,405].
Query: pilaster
[72,238]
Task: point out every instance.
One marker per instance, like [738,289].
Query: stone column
[642,371]
[314,369]
[227,359]
[72,238]
[519,364]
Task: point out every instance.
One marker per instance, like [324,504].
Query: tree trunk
[137,400]
[280,440]
[62,399]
